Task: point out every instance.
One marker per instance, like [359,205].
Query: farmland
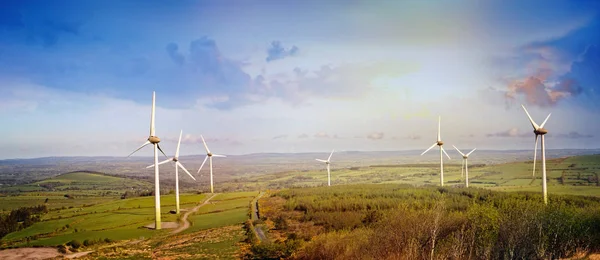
[301,217]
[569,175]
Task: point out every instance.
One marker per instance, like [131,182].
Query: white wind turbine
[439,143]
[209,156]
[539,130]
[177,165]
[154,140]
[327,162]
[465,167]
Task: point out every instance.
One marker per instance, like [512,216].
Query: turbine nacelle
[540,131]
[440,143]
[154,139]
[465,157]
[209,154]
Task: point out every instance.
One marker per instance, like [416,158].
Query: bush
[74,244]
[62,249]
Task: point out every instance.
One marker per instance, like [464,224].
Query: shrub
[62,249]
[74,244]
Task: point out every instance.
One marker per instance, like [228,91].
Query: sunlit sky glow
[76,77]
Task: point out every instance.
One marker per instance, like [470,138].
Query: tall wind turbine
[439,143]
[177,165]
[328,162]
[154,140]
[539,130]
[209,156]
[464,167]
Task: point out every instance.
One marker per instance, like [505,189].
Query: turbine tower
[327,162]
[464,167]
[539,130]
[154,140]
[177,165]
[440,144]
[209,156]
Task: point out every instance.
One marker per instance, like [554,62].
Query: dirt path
[78,254]
[186,223]
[255,214]
[29,253]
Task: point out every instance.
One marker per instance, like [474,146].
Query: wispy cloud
[225,85]
[413,137]
[196,139]
[280,137]
[512,132]
[375,136]
[302,136]
[276,51]
[326,135]
[574,135]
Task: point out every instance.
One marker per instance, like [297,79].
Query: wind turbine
[209,155]
[328,170]
[154,140]
[439,143]
[539,130]
[177,165]
[464,167]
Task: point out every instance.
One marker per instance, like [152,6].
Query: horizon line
[246,154]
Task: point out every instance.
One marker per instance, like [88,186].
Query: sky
[76,77]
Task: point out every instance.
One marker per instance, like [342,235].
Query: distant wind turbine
[539,130]
[209,156]
[465,167]
[177,165]
[327,162]
[440,144]
[154,140]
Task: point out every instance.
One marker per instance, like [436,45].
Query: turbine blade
[439,128]
[429,148]
[205,146]
[178,144]
[152,132]
[542,125]
[146,143]
[443,150]
[458,150]
[205,158]
[158,146]
[163,162]
[535,126]
[534,155]
[218,155]
[471,152]
[184,169]
[321,160]
[330,155]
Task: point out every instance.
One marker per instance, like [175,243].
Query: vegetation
[20,218]
[569,175]
[403,222]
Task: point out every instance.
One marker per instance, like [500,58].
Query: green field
[94,209]
[80,181]
[573,175]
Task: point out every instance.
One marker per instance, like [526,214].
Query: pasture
[570,175]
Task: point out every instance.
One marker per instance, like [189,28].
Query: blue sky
[76,77]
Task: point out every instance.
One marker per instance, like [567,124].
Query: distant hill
[22,171]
